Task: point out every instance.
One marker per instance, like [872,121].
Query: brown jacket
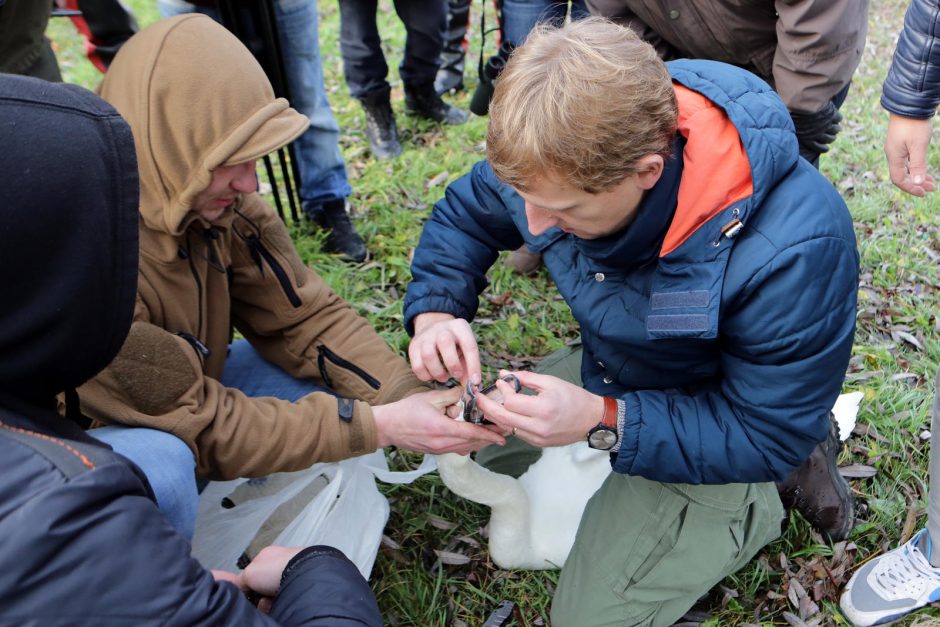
[195,100]
[806,49]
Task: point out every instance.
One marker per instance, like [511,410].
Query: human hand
[906,149]
[419,423]
[444,347]
[559,413]
[224,575]
[263,575]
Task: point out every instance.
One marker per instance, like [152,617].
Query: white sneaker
[892,585]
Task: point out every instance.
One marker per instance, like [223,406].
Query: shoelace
[904,574]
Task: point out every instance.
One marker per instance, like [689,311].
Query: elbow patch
[152,369]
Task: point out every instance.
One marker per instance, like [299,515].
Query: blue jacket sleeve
[324,573]
[94,549]
[912,88]
[786,341]
[460,241]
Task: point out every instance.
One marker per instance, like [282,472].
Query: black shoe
[819,492]
[448,79]
[381,130]
[342,238]
[423,101]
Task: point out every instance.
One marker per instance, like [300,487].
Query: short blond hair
[582,102]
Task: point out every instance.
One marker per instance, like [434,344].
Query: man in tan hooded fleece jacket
[214,256]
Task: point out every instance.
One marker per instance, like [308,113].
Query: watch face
[602,438]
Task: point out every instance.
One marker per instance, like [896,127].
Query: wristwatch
[604,436]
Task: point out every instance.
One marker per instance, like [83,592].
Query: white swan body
[534,519]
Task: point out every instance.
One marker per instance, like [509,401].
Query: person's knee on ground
[647,551]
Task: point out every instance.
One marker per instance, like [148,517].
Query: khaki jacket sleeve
[295,320]
[819,45]
[156,381]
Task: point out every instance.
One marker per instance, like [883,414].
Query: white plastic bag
[337,504]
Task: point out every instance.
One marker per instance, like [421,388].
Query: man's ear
[649,169]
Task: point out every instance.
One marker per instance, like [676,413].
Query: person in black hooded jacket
[81,536]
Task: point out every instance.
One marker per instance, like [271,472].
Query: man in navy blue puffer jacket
[714,275]
[82,540]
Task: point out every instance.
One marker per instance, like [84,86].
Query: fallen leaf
[439,523]
[437,180]
[794,620]
[452,559]
[907,337]
[858,471]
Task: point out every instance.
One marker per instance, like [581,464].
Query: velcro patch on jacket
[152,369]
[671,300]
[679,314]
[678,323]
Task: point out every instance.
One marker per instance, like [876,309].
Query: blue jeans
[520,16]
[322,169]
[169,464]
[249,372]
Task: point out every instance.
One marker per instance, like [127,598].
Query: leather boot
[342,238]
[523,261]
[381,130]
[819,492]
[423,101]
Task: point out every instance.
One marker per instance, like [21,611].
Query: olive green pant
[646,551]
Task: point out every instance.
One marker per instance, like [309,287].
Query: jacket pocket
[260,253]
[325,355]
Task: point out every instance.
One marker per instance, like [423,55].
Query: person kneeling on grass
[713,273]
[311,381]
[82,540]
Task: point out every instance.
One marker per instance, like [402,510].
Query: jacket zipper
[279,273]
[186,254]
[201,349]
[326,354]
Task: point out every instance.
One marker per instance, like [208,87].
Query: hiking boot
[423,101]
[892,585]
[381,130]
[819,492]
[342,238]
[523,261]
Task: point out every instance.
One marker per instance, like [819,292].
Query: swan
[534,519]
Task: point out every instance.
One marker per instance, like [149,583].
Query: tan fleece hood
[195,99]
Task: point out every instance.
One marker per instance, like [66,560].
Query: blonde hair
[583,103]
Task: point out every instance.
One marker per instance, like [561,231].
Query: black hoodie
[82,541]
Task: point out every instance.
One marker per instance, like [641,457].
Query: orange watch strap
[610,413]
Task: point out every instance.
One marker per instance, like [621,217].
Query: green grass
[522,320]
